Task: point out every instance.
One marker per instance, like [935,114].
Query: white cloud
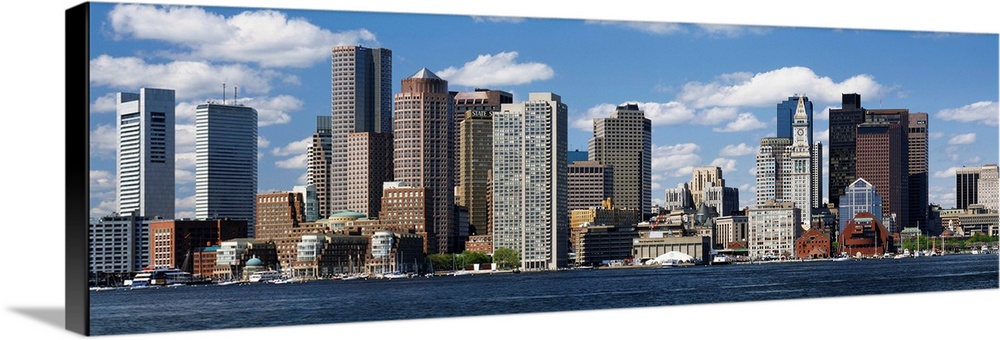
[184,138]
[262,142]
[107,103]
[299,147]
[761,89]
[675,160]
[726,164]
[935,135]
[104,208]
[496,70]
[822,136]
[968,138]
[974,160]
[266,37]
[303,179]
[658,28]
[184,203]
[189,79]
[671,113]
[297,162]
[104,142]
[184,214]
[737,150]
[184,160]
[732,31]
[822,115]
[509,20]
[183,176]
[746,122]
[985,112]
[270,110]
[102,180]
[949,173]
[715,115]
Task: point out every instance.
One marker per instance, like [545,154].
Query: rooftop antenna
[223,93]
[236,94]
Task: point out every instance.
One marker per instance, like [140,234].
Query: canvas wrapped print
[259,167]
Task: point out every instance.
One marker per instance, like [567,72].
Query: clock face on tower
[800,132]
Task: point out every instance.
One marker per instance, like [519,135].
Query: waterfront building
[860,196]
[624,142]
[234,255]
[678,198]
[361,101]
[606,214]
[590,184]
[530,181]
[843,131]
[881,151]
[172,241]
[309,201]
[652,245]
[118,243]
[281,219]
[405,209]
[421,142]
[392,252]
[145,153]
[226,162]
[203,264]
[773,229]
[729,229]
[974,220]
[369,164]
[475,161]
[597,244]
[865,236]
[327,255]
[319,166]
[977,185]
[813,244]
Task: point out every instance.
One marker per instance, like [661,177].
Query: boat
[265,276]
[721,259]
[160,277]
[396,275]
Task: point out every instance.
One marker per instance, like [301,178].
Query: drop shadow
[53,316]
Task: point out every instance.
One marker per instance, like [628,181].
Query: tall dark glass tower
[786,113]
[843,131]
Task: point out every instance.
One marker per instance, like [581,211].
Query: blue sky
[710,90]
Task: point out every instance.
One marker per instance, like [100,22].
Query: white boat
[160,277]
[396,275]
[722,259]
[265,276]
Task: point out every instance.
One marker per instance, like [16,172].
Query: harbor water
[203,307]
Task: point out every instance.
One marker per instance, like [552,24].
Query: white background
[32,129]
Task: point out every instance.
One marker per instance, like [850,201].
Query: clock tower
[801,157]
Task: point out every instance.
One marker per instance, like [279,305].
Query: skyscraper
[529,181]
[226,163]
[800,154]
[145,156]
[918,167]
[881,160]
[422,120]
[624,141]
[475,161]
[319,166]
[786,114]
[589,184]
[479,102]
[977,185]
[843,129]
[361,98]
[704,177]
[774,169]
[369,165]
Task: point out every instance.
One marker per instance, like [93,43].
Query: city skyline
[707,106]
